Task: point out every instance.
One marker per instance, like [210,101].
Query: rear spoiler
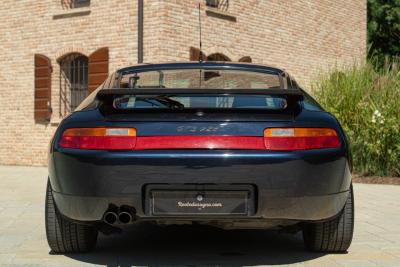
[290,94]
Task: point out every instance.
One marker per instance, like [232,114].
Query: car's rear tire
[334,235]
[64,236]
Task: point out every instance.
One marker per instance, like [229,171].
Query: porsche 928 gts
[231,145]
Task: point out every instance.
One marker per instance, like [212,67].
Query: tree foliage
[384,28]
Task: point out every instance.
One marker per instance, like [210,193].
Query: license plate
[164,202]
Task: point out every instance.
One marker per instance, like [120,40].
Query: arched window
[218,57]
[73,81]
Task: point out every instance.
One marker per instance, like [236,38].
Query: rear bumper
[308,208]
[304,186]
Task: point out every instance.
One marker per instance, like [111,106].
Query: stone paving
[23,243]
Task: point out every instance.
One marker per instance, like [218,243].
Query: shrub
[367,103]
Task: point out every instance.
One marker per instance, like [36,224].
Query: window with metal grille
[221,4]
[68,4]
[212,3]
[73,82]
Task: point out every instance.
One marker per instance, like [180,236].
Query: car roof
[200,64]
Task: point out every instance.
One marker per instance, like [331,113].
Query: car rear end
[228,157]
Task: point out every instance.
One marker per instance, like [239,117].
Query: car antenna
[200,46]
[200,42]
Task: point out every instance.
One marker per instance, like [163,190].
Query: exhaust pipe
[125,217]
[126,214]
[110,217]
[114,215]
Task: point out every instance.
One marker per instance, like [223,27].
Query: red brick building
[56,51]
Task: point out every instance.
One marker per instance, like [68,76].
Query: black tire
[335,235]
[64,236]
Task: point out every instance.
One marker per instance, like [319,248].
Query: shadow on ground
[147,245]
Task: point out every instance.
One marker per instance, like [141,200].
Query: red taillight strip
[199,142]
[301,143]
[98,142]
[280,139]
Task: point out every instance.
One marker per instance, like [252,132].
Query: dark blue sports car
[236,146]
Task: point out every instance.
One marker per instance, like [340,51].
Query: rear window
[210,102]
[200,79]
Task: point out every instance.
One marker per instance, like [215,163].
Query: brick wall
[301,36]
[44,27]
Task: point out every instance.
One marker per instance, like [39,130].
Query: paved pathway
[22,239]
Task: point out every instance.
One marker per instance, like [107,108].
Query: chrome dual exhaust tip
[110,217]
[123,215]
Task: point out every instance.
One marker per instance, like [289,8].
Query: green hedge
[367,103]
